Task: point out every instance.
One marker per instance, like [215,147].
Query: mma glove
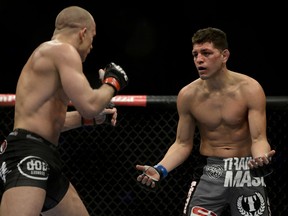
[161,170]
[262,171]
[92,122]
[111,105]
[115,76]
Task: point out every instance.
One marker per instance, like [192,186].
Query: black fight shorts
[26,159]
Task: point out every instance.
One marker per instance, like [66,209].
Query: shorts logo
[199,211]
[3,146]
[4,171]
[34,168]
[251,205]
[192,187]
[214,171]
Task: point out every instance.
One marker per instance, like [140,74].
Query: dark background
[152,41]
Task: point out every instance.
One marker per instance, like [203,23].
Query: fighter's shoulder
[56,48]
[189,91]
[191,87]
[247,82]
[244,78]
[248,85]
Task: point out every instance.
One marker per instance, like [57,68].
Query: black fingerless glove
[115,76]
[262,171]
[89,122]
[111,105]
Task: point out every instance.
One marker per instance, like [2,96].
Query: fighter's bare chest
[220,111]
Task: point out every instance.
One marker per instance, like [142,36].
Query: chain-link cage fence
[100,160]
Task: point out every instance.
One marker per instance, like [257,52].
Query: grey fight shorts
[227,181]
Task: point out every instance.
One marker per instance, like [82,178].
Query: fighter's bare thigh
[26,199]
[71,205]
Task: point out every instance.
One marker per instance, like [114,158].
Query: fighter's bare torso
[224,130]
[40,74]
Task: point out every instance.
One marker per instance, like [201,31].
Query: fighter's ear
[82,33]
[225,54]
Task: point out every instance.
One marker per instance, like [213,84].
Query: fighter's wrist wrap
[85,122]
[115,76]
[161,170]
[112,82]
